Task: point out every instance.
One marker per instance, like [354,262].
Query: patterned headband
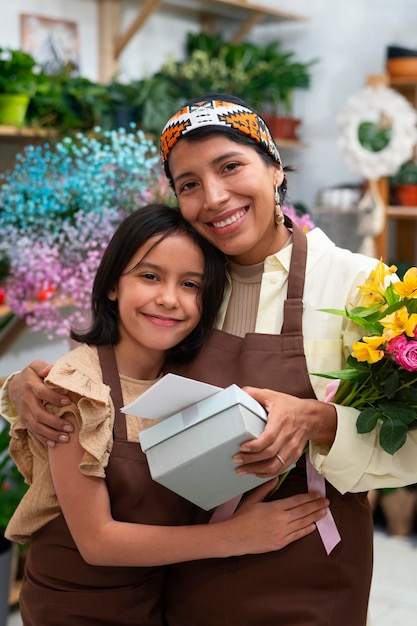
[217,113]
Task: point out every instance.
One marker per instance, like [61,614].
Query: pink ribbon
[225,510]
[331,389]
[326,527]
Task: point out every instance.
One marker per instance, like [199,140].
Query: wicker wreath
[374,104]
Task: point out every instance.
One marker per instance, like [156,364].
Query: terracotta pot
[282,127]
[407,195]
[406,67]
[398,507]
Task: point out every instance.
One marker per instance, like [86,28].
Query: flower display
[380,376]
[59,207]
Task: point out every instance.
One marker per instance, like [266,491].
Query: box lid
[198,412]
[169,395]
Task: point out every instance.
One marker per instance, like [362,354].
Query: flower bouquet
[380,376]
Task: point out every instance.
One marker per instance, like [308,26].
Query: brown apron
[299,585]
[60,588]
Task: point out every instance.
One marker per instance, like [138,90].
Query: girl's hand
[266,526]
[292,423]
[28,393]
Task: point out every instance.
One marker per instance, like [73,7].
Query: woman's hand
[28,393]
[292,423]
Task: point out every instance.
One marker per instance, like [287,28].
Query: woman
[98,526]
[229,180]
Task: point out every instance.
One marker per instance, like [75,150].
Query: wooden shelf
[402,81]
[13,140]
[289,143]
[24,133]
[402,212]
[243,13]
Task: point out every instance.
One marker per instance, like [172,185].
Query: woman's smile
[225,221]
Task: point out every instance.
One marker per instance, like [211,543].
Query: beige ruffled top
[78,374]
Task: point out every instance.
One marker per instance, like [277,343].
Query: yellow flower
[367,349]
[398,323]
[373,289]
[407,288]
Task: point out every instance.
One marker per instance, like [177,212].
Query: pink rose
[397,344]
[406,356]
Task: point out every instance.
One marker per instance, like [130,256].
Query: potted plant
[18,83]
[12,489]
[284,75]
[66,102]
[264,76]
[124,102]
[404,183]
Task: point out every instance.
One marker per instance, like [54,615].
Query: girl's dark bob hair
[230,133]
[132,234]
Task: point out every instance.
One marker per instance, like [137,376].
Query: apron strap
[293,305]
[111,378]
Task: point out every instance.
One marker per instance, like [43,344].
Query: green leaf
[363,311]
[347,374]
[411,304]
[335,312]
[393,435]
[395,306]
[409,395]
[392,384]
[390,295]
[359,316]
[398,411]
[367,420]
[361,366]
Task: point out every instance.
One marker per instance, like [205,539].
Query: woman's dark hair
[230,133]
[132,234]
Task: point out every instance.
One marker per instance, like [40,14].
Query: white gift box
[191,451]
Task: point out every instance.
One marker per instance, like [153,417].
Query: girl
[92,508]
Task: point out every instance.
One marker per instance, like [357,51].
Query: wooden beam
[381,240]
[150,7]
[246,6]
[255,18]
[109,18]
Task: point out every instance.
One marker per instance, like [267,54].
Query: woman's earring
[279,216]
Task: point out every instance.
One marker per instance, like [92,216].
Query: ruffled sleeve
[78,374]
